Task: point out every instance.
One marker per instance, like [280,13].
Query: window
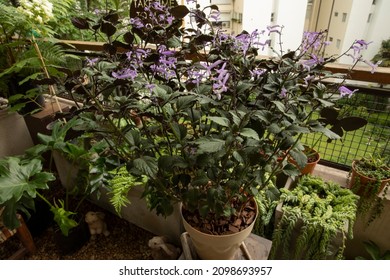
[336,14]
[338,43]
[373,2]
[331,39]
[344,17]
[369,17]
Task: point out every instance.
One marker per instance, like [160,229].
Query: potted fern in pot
[199,113]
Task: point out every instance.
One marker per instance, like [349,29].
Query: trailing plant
[372,189]
[267,199]
[374,251]
[314,212]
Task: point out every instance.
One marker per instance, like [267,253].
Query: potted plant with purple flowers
[200,114]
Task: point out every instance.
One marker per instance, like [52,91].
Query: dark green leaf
[249,132]
[147,165]
[220,120]
[210,145]
[179,11]
[108,29]
[352,123]
[80,23]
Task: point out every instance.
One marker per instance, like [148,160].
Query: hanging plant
[369,178]
[315,214]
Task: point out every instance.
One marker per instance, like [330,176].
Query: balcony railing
[371,102]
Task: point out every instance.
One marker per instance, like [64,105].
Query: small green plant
[374,251]
[315,212]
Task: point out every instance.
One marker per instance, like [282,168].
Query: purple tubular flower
[344,91]
[274,28]
[125,74]
[310,63]
[283,93]
[92,62]
[215,15]
[372,65]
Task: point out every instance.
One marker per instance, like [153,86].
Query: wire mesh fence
[371,140]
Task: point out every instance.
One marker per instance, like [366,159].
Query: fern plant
[120,185]
[314,214]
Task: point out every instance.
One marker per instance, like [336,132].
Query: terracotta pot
[310,166]
[217,247]
[366,183]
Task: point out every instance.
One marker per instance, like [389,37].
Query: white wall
[357,25]
[291,14]
[379,29]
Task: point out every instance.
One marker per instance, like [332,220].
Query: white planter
[139,214]
[217,247]
[14,135]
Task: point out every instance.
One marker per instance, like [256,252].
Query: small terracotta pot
[310,166]
[366,183]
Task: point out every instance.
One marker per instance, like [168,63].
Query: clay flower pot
[363,185]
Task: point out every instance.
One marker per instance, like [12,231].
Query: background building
[346,20]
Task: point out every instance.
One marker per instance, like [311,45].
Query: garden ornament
[96,224]
[162,249]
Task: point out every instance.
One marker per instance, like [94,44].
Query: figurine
[162,249]
[96,224]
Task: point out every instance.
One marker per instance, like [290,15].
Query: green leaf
[63,218]
[147,165]
[185,102]
[299,157]
[169,162]
[220,120]
[291,170]
[249,132]
[279,105]
[274,128]
[210,145]
[297,129]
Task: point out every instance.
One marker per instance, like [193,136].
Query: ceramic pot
[217,247]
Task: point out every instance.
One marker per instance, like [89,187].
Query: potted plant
[197,112]
[339,123]
[369,178]
[26,59]
[313,220]
[21,179]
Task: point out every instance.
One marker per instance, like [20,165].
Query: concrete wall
[14,135]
